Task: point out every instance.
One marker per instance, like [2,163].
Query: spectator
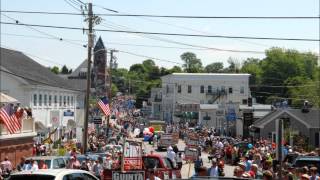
[213,170]
[21,165]
[84,166]
[42,164]
[151,175]
[267,175]
[179,160]
[6,166]
[313,172]
[34,165]
[237,172]
[97,169]
[198,163]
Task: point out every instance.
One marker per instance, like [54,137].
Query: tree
[234,66]
[214,67]
[55,69]
[191,63]
[175,69]
[138,68]
[65,70]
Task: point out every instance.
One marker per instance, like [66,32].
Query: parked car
[53,162]
[53,174]
[308,161]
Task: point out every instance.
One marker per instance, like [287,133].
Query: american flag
[104,106]
[10,118]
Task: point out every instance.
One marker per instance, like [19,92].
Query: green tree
[191,63]
[55,69]
[214,67]
[114,89]
[234,66]
[175,69]
[65,70]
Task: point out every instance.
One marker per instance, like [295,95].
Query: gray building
[296,124]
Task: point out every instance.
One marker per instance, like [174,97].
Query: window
[189,89]
[88,177]
[244,101]
[241,90]
[68,100]
[71,100]
[55,164]
[45,99]
[167,89]
[230,90]
[35,99]
[40,99]
[202,89]
[151,163]
[50,98]
[64,100]
[209,89]
[60,101]
[223,88]
[179,88]
[55,100]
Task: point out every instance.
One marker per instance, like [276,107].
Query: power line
[72,5]
[166,16]
[44,33]
[137,45]
[167,34]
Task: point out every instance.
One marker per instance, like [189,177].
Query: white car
[53,174]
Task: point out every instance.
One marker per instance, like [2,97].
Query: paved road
[188,169]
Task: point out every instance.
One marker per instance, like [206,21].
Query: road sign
[97,120]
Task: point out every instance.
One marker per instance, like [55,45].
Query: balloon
[151,129]
[250,146]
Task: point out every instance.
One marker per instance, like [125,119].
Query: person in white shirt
[152,176]
[171,155]
[179,160]
[34,165]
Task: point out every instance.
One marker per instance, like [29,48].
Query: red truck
[163,168]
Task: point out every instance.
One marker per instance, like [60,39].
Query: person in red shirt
[42,164]
[253,171]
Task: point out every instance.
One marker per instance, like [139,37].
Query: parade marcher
[171,155]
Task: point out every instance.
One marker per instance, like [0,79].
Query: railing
[27,127]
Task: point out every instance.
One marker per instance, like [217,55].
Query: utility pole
[110,86]
[87,104]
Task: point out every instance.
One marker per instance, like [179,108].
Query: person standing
[213,170]
[6,166]
[179,160]
[171,155]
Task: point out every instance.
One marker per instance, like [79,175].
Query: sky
[52,52]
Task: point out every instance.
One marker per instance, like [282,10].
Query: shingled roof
[20,65]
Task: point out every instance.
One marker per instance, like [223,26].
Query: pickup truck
[167,140]
[163,168]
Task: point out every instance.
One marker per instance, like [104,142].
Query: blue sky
[73,55]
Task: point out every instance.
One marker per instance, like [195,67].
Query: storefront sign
[132,175]
[68,113]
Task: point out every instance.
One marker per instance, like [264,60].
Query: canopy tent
[7,99]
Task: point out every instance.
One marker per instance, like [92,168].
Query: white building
[202,88]
[156,103]
[53,99]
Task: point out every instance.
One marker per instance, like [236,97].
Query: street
[188,169]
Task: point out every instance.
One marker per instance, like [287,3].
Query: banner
[132,156]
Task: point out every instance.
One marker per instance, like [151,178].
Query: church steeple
[99,45]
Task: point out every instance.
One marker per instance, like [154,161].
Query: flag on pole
[11,119]
[104,106]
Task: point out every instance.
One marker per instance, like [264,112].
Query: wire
[129,44]
[167,16]
[72,5]
[17,22]
[168,34]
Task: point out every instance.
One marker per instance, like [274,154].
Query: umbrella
[7,99]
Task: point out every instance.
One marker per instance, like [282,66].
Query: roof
[6,99]
[80,68]
[99,45]
[52,172]
[34,73]
[310,119]
[210,74]
[208,106]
